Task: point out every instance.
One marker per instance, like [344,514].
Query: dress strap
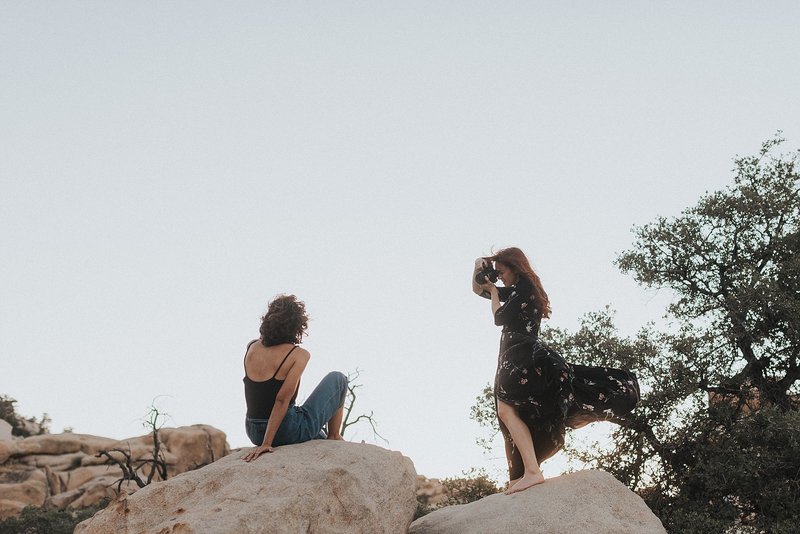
[284,360]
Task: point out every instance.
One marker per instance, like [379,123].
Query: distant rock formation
[320,486]
[585,502]
[431,492]
[5,430]
[62,470]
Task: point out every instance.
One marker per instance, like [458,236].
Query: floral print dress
[550,393]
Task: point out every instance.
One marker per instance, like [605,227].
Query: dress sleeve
[517,297]
[502,292]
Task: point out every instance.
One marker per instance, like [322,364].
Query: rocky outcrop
[586,501]
[431,492]
[320,486]
[5,430]
[63,470]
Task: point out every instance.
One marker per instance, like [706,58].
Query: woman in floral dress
[537,392]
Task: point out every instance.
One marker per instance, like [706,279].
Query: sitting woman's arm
[282,400]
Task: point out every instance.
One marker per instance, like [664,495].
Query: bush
[463,490]
[474,485]
[35,520]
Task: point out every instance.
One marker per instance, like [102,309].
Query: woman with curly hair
[273,365]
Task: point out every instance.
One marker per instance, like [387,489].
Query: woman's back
[266,369]
[263,363]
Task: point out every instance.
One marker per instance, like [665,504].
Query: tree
[484,413]
[348,419]
[125,461]
[715,441]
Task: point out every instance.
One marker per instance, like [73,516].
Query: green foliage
[469,488]
[7,411]
[713,444]
[474,485]
[22,426]
[746,471]
[484,412]
[421,510]
[732,262]
[35,520]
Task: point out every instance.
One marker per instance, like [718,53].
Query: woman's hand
[256,452]
[479,289]
[488,286]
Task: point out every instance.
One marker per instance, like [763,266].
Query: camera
[487,271]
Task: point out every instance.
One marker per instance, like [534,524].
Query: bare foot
[528,480]
[336,437]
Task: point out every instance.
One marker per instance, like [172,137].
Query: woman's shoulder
[524,285]
[301,353]
[252,347]
[294,354]
[274,352]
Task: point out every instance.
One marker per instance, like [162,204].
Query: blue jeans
[303,423]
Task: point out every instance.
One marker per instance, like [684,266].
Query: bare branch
[157,462]
[349,404]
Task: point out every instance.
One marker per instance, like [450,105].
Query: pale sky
[168,167]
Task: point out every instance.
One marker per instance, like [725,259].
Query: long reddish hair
[515,259]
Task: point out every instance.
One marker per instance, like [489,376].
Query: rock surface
[5,430]
[62,470]
[584,502]
[320,486]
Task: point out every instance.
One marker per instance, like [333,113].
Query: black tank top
[260,396]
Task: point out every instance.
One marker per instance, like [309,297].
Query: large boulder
[586,501]
[320,486]
[185,448]
[24,487]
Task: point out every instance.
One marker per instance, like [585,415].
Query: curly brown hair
[285,321]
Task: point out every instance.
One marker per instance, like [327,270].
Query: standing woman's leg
[524,443]
[325,405]
[515,466]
